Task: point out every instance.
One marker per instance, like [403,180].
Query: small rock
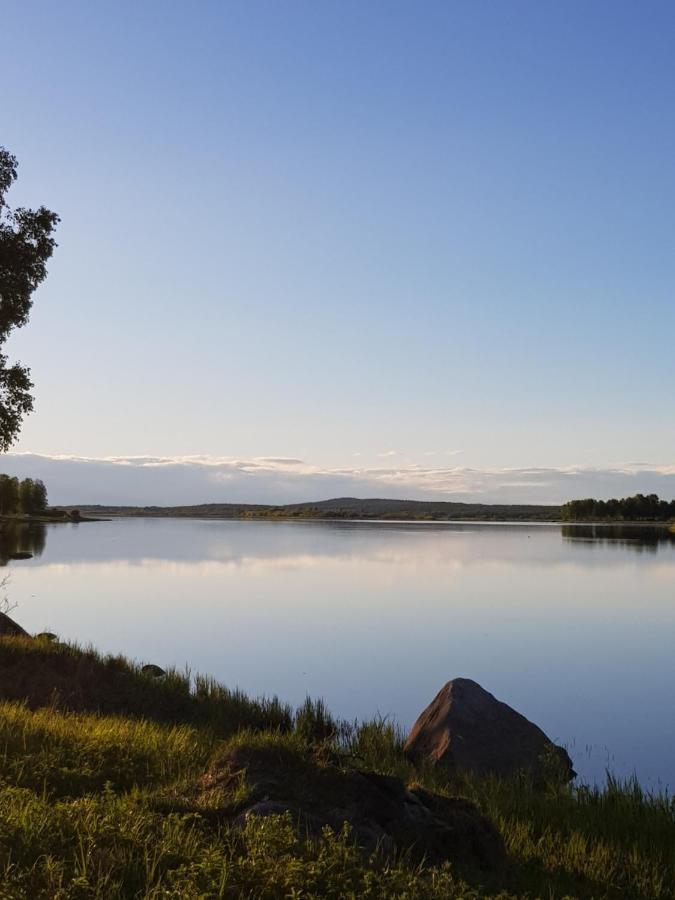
[153,670]
[465,727]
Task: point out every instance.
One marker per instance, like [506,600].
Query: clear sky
[365,235]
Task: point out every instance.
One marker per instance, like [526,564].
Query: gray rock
[307,824]
[9,627]
[466,728]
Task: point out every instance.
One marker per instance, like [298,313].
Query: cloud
[176,480]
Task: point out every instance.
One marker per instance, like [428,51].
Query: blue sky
[401,236]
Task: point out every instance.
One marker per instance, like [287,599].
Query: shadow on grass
[65,676]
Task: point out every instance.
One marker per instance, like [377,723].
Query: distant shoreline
[67,518]
[348,509]
[353,509]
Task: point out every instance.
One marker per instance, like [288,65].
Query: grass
[98,768]
[71,754]
[65,676]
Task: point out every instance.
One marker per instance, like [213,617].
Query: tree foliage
[26,244]
[28,496]
[9,494]
[641,507]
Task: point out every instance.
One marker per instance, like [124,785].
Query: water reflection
[21,538]
[293,544]
[639,538]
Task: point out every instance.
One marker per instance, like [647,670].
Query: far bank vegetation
[27,497]
[640,508]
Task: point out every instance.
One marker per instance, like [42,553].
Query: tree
[628,509]
[27,496]
[26,243]
[39,496]
[9,494]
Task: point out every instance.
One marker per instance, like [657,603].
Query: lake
[571,625]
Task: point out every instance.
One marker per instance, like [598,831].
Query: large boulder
[466,728]
[8,627]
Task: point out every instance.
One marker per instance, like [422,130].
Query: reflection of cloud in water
[305,545]
[324,564]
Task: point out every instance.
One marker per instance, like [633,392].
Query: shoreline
[20,519]
[110,513]
[110,760]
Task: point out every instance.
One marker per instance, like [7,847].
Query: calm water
[574,627]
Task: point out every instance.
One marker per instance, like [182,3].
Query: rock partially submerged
[381,812]
[466,728]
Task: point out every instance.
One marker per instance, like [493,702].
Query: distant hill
[339,508]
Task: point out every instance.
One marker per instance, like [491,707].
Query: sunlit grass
[73,754]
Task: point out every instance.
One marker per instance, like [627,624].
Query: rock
[466,728]
[307,824]
[464,835]
[381,812]
[8,627]
[21,554]
[263,809]
[153,670]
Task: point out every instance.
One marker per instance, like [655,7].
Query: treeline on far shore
[342,508]
[640,508]
[27,497]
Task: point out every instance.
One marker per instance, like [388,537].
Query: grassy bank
[103,794]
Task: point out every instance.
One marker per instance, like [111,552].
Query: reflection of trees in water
[635,537]
[21,537]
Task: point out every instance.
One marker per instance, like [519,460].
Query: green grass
[72,754]
[102,795]
[66,676]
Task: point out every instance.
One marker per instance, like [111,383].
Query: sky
[401,249]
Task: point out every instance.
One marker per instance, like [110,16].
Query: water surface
[571,625]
